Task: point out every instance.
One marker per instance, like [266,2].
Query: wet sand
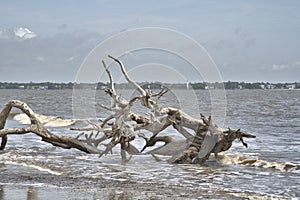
[56,187]
[47,186]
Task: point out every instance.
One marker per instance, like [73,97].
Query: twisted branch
[37,127]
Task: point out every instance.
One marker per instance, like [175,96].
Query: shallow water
[269,168]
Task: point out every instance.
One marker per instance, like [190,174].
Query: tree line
[154,85]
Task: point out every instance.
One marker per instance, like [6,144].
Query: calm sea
[268,168]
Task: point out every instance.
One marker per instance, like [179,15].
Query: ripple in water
[268,168]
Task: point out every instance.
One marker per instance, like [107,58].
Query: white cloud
[279,67]
[70,59]
[40,58]
[297,63]
[57,56]
[24,33]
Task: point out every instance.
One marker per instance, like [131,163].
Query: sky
[249,41]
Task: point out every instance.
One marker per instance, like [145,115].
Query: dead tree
[123,126]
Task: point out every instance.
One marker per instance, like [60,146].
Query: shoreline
[47,186]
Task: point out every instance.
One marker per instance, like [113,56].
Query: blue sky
[248,40]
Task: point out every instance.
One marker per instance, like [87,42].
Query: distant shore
[154,85]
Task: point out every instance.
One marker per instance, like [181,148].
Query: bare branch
[112,85]
[23,130]
[161,93]
[139,88]
[86,129]
[106,120]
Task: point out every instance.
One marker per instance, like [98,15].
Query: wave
[255,162]
[49,121]
[35,166]
[11,115]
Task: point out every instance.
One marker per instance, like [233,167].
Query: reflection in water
[1,192]
[119,195]
[18,192]
[32,193]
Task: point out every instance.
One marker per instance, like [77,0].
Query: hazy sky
[255,40]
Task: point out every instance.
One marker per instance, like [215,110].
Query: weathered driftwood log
[37,127]
[202,136]
[209,139]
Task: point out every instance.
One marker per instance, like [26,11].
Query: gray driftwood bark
[202,139]
[37,127]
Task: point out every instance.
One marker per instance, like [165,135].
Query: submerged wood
[202,137]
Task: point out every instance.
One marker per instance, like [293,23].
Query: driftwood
[202,137]
[37,127]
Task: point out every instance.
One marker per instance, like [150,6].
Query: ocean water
[268,169]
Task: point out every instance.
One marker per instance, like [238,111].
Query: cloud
[70,59]
[280,67]
[297,63]
[40,58]
[56,57]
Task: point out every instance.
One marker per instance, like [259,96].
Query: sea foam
[49,121]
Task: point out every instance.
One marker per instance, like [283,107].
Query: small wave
[11,115]
[49,121]
[40,168]
[255,162]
